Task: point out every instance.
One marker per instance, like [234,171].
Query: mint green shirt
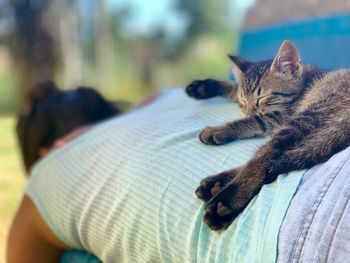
[124,191]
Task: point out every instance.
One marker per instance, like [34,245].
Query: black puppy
[53,113]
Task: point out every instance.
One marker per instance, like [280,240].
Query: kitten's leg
[314,149]
[208,88]
[225,206]
[254,126]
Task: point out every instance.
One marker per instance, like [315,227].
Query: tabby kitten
[304,109]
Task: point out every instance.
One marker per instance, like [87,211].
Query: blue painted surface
[324,42]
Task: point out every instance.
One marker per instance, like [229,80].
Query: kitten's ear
[287,60]
[239,66]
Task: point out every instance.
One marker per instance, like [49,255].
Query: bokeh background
[127,49]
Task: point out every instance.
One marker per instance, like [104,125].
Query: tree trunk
[32,46]
[72,57]
[104,46]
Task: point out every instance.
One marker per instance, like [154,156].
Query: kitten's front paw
[216,135]
[203,89]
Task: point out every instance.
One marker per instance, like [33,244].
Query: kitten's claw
[204,89]
[216,135]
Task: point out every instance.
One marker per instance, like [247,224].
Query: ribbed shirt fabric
[124,191]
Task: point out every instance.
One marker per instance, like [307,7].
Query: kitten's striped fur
[304,109]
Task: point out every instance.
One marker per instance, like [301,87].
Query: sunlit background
[127,49]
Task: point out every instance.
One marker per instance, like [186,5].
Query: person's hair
[53,113]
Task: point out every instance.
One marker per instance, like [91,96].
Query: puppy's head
[53,113]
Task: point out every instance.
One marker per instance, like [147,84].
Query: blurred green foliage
[8,98]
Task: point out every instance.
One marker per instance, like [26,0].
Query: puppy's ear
[41,91]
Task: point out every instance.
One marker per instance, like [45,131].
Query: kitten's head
[269,85]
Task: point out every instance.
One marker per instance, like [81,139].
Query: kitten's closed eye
[260,102]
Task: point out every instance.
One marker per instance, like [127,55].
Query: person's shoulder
[30,238]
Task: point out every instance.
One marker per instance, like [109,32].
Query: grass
[12,178]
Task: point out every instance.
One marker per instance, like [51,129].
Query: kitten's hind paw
[204,89]
[211,185]
[226,205]
[216,135]
[220,210]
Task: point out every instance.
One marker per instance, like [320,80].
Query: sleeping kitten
[304,109]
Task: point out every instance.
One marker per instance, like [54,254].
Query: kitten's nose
[250,112]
